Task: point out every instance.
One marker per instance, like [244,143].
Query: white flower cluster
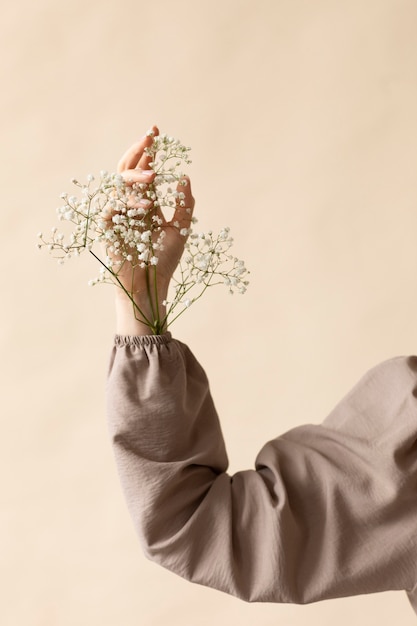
[207,262]
[125,220]
[208,258]
[119,215]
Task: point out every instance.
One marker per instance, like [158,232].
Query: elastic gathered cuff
[142,340]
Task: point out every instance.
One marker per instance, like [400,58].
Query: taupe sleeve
[329,510]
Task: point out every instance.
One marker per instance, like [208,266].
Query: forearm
[135,318]
[162,421]
[171,456]
[314,519]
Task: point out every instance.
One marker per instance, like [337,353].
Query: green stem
[155,283]
[87,220]
[148,289]
[135,305]
[206,285]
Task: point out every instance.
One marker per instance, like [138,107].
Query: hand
[134,167]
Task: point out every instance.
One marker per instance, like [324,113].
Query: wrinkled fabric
[329,511]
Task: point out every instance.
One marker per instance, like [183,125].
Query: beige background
[302,119]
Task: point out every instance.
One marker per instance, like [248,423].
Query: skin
[134,167]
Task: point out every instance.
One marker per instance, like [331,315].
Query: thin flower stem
[206,285]
[155,282]
[148,289]
[146,321]
[87,219]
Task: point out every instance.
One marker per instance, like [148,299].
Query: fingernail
[148,173]
[145,203]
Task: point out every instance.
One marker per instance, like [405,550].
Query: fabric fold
[329,510]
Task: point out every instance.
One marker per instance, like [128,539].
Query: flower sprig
[124,219]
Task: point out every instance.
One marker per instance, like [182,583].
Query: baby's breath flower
[122,220]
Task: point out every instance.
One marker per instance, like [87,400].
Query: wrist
[140,317]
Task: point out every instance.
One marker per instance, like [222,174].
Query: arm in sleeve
[325,513]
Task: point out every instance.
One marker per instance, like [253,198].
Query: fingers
[185,204]
[146,159]
[133,155]
[138,176]
[134,167]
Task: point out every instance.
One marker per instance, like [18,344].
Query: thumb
[184,204]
